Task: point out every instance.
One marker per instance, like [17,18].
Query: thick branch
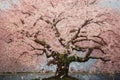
[87,57]
[46,47]
[89,52]
[78,31]
[82,59]
[43,43]
[57,33]
[53,26]
[101,58]
[77,48]
[80,40]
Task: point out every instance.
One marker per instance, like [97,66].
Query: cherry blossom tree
[61,29]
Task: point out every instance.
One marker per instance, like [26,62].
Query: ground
[53,78]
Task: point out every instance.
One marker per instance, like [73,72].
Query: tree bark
[62,70]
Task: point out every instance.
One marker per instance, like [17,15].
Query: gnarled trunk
[62,70]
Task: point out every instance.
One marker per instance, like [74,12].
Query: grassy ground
[53,78]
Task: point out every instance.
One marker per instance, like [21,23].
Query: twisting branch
[82,26]
[80,40]
[90,50]
[46,47]
[99,22]
[101,58]
[102,40]
[79,29]
[61,42]
[47,21]
[43,43]
[83,59]
[54,27]
[53,24]
[99,48]
[57,33]
[77,48]
[34,48]
[41,18]
[88,56]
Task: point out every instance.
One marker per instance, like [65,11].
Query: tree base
[65,78]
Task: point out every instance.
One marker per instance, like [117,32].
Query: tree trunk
[62,70]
